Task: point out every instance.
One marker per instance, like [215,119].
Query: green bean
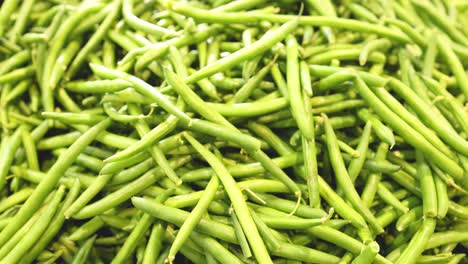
[177,217]
[15,198]
[442,197]
[73,118]
[256,108]
[15,238]
[279,80]
[292,223]
[142,25]
[264,43]
[17,75]
[158,132]
[83,253]
[356,164]
[306,82]
[345,54]
[5,12]
[239,205]
[63,60]
[87,229]
[428,187]
[56,45]
[100,86]
[154,245]
[370,46]
[36,230]
[373,179]
[454,63]
[383,132]
[418,242]
[30,150]
[157,50]
[121,195]
[305,254]
[409,31]
[17,91]
[411,135]
[55,225]
[237,17]
[53,175]
[441,21]
[345,74]
[94,39]
[270,240]
[249,86]
[194,101]
[88,194]
[450,136]
[84,160]
[430,55]
[215,248]
[194,217]
[344,179]
[386,195]
[367,254]
[405,220]
[139,230]
[8,147]
[241,239]
[295,92]
[341,207]
[457,258]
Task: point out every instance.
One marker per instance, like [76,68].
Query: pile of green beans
[245,131]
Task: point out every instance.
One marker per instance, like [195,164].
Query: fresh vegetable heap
[246,131]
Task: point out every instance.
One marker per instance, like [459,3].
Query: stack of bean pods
[245,131]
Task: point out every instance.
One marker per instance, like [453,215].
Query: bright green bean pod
[356,164]
[428,187]
[82,255]
[6,10]
[295,91]
[53,175]
[252,83]
[239,205]
[344,179]
[411,135]
[424,110]
[340,206]
[95,39]
[418,242]
[454,63]
[56,45]
[138,232]
[241,239]
[54,226]
[237,17]
[142,25]
[382,131]
[154,245]
[15,198]
[215,248]
[367,254]
[7,150]
[126,192]
[73,118]
[194,217]
[387,196]
[263,44]
[30,150]
[441,20]
[36,230]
